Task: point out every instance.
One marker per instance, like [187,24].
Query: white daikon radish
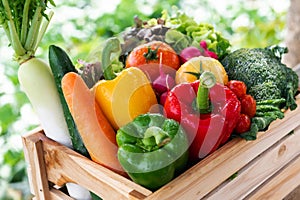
[25,23]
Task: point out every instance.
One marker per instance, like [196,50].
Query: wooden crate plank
[260,169]
[280,185]
[59,195]
[65,165]
[27,145]
[27,155]
[35,155]
[206,175]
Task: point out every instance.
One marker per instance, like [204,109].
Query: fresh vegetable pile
[165,94]
[181,94]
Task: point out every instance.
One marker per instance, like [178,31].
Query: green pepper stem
[207,81]
[112,45]
[160,136]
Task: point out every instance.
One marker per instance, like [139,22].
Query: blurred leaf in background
[247,24]
[79,27]
[13,104]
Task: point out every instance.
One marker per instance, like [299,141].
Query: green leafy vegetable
[24,23]
[178,30]
[197,32]
[177,40]
[91,73]
[274,102]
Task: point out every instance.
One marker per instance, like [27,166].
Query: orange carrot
[96,132]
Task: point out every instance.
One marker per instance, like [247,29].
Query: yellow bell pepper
[125,95]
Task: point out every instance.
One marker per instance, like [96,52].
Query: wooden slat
[280,185]
[260,169]
[59,195]
[33,149]
[206,175]
[64,165]
[27,155]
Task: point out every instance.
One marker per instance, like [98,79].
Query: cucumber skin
[61,64]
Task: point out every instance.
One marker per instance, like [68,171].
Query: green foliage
[264,30]
[13,177]
[248,24]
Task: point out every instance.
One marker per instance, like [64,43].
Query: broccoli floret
[263,73]
[266,90]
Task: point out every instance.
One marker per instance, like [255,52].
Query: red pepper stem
[155,136]
[207,81]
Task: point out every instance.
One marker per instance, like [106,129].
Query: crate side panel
[280,185]
[260,169]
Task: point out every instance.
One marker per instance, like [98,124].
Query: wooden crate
[267,168]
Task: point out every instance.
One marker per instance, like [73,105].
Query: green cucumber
[61,64]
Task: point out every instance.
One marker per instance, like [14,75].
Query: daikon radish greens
[25,23]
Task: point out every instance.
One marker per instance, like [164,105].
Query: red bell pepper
[208,111]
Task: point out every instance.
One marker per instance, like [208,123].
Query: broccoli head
[264,91]
[263,73]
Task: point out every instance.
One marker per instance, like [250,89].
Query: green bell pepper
[152,149]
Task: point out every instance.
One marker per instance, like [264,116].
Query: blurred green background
[79,26]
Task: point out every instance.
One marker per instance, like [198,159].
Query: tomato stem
[151,54]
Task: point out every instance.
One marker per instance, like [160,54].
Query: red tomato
[248,105]
[238,87]
[153,52]
[243,124]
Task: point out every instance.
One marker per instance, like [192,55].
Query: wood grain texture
[58,195]
[260,169]
[34,155]
[281,185]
